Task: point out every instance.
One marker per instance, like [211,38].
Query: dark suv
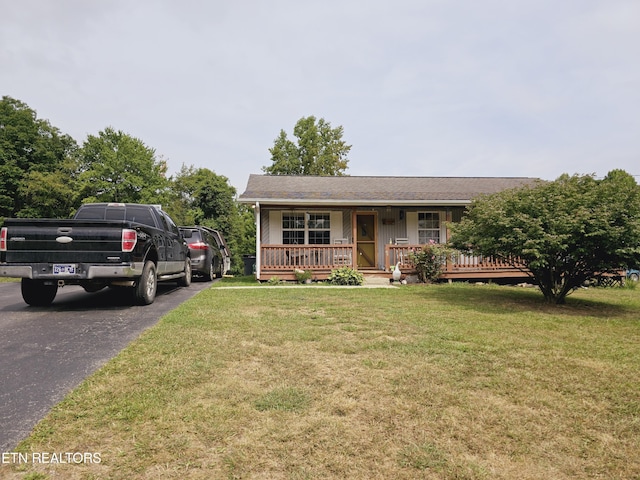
[209,254]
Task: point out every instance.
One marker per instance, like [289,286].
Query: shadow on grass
[240,280]
[487,298]
[602,303]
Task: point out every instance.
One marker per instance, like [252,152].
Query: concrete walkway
[369,282]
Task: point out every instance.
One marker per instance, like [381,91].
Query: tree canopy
[43,173]
[116,167]
[48,194]
[206,195]
[32,153]
[319,150]
[563,232]
[206,198]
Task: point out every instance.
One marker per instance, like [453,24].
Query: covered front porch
[320,223]
[282,260]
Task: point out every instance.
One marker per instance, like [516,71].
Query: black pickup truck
[105,244]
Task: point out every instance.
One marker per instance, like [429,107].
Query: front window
[319,231]
[428,227]
[306,228]
[293,228]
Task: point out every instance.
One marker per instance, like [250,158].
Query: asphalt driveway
[46,352]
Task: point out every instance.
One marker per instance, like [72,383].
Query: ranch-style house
[320,223]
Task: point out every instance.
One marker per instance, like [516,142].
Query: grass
[440,381]
[247,280]
[8,279]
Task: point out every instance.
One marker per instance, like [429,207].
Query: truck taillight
[3,239]
[129,239]
[198,246]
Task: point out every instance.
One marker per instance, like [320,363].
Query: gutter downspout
[258,259]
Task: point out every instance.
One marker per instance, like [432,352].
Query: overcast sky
[531,88]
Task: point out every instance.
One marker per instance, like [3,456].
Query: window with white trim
[319,228]
[306,228]
[293,228]
[428,227]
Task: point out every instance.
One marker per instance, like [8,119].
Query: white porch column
[257,213]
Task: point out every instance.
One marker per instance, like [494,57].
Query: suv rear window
[195,236]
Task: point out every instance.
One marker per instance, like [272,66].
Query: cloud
[421,87]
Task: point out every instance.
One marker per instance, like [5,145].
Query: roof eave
[353,203]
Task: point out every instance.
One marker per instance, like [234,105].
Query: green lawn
[441,381]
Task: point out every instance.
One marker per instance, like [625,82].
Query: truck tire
[144,291]
[186,280]
[37,294]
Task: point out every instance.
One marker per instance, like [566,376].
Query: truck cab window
[140,215]
[115,213]
[90,213]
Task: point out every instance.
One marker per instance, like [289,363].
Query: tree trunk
[553,286]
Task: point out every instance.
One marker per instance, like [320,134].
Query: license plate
[64,269]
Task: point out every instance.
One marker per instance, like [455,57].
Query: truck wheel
[144,292]
[37,294]
[186,280]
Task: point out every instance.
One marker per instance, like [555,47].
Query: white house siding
[335,223]
[392,224]
[274,227]
[347,231]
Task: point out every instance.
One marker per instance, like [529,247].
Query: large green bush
[346,276]
[430,261]
[561,233]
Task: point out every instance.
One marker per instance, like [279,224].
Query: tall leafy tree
[208,196]
[208,199]
[49,194]
[116,167]
[319,150]
[31,151]
[247,240]
[563,232]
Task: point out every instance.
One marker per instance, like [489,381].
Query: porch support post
[449,263]
[448,218]
[258,240]
[354,258]
[354,236]
[387,263]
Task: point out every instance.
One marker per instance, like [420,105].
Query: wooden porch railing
[458,264]
[306,257]
[281,259]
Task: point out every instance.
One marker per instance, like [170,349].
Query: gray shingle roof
[348,190]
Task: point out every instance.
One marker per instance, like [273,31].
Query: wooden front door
[366,239]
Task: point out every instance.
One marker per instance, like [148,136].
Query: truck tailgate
[52,240]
